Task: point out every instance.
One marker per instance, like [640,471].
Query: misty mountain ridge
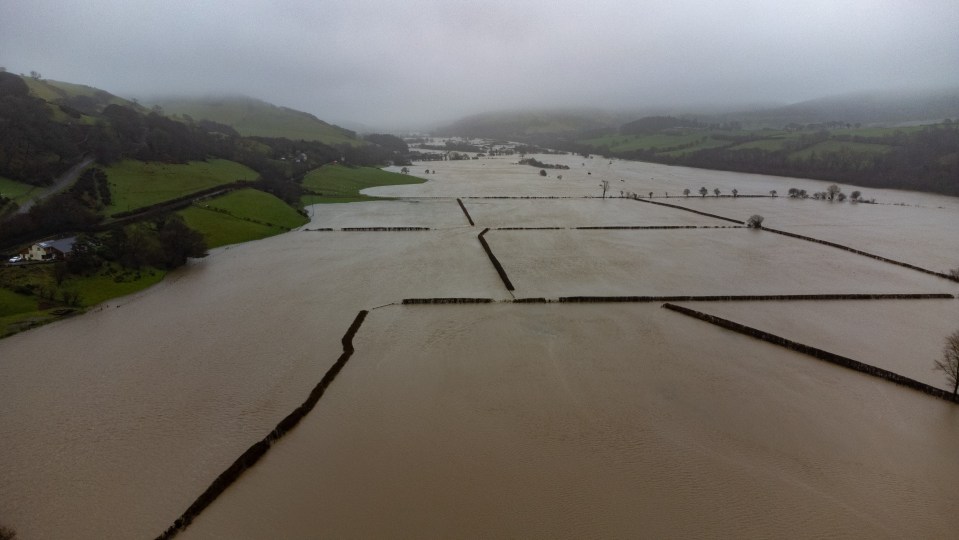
[887,108]
[877,108]
[254,117]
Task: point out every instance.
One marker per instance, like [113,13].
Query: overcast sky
[389,63]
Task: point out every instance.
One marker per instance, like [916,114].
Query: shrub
[755,221]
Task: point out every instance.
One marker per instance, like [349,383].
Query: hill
[531,126]
[884,108]
[252,117]
[86,100]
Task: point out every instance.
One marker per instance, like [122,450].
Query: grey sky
[388,63]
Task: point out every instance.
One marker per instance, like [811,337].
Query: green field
[772,144]
[251,117]
[665,142]
[877,132]
[135,184]
[17,191]
[831,146]
[104,286]
[12,303]
[338,183]
[19,311]
[241,216]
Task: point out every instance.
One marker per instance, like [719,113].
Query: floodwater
[503,419]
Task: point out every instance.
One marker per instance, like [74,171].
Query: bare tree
[686,192]
[716,191]
[772,193]
[605,186]
[703,191]
[832,191]
[735,192]
[949,363]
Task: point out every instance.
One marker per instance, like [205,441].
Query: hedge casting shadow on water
[820,354]
[495,261]
[466,212]
[259,449]
[676,206]
[863,253]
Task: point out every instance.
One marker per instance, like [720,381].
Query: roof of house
[64,245]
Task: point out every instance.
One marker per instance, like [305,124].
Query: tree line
[921,160]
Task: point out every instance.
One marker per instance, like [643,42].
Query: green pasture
[21,311]
[241,216]
[832,146]
[256,118]
[657,141]
[104,285]
[12,303]
[338,183]
[135,184]
[18,191]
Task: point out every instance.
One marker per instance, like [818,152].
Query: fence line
[495,261]
[676,206]
[470,218]
[820,354]
[863,253]
[253,454]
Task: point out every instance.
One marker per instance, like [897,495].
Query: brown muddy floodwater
[554,420]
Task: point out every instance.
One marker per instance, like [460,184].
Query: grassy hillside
[798,144]
[530,125]
[82,98]
[251,117]
[241,216]
[337,183]
[135,184]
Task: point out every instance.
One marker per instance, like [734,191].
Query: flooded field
[505,419]
[610,421]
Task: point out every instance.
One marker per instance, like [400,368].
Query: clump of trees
[755,221]
[537,163]
[949,363]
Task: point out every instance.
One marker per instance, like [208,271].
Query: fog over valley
[424,62]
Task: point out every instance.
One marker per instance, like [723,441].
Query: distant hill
[531,125]
[886,108]
[85,99]
[252,117]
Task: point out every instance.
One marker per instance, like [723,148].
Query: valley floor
[505,418]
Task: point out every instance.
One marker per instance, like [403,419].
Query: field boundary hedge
[495,261]
[676,206]
[863,253]
[468,217]
[755,297]
[684,298]
[253,454]
[820,354]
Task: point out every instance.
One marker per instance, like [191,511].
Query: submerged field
[505,419]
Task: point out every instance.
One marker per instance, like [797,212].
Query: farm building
[49,250]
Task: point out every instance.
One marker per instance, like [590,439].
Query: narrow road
[66,179]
